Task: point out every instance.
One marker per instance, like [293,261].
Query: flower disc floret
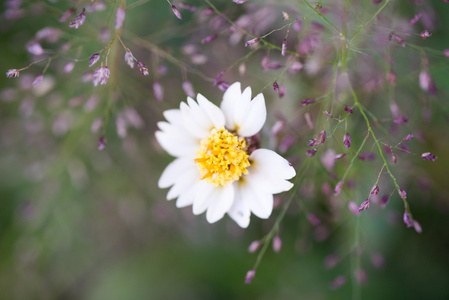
[222,157]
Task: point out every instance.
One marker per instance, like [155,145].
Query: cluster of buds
[101,76]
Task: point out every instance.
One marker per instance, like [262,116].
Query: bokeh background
[79,223]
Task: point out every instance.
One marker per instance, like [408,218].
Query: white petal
[259,201]
[214,113]
[203,197]
[187,197]
[272,163]
[223,197]
[230,97]
[173,170]
[183,182]
[239,210]
[255,117]
[172,115]
[194,120]
[177,144]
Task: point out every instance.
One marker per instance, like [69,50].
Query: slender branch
[370,20]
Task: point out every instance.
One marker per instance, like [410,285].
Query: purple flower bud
[223,85]
[218,78]
[158,91]
[348,109]
[277,244]
[426,83]
[428,156]
[186,6]
[309,120]
[322,136]
[209,39]
[365,205]
[281,91]
[208,12]
[394,158]
[284,47]
[415,19]
[252,42]
[407,220]
[361,276]
[297,26]
[425,34]
[296,66]
[378,260]
[79,20]
[328,114]
[38,79]
[417,226]
[249,276]
[129,59]
[400,120]
[341,155]
[176,12]
[384,200]
[12,73]
[239,1]
[338,187]
[143,69]
[285,16]
[101,143]
[397,38]
[375,190]
[403,194]
[35,48]
[408,137]
[338,282]
[254,246]
[313,219]
[446,52]
[96,125]
[311,152]
[188,88]
[347,141]
[68,67]
[101,76]
[67,14]
[119,18]
[308,101]
[276,87]
[354,208]
[94,59]
[367,156]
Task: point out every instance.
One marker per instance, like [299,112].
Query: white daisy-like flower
[216,169]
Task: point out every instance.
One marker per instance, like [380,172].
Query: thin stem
[370,20]
[323,17]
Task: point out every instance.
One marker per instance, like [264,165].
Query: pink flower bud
[313,219]
[94,59]
[249,276]
[415,19]
[129,59]
[338,187]
[391,77]
[354,208]
[361,276]
[67,14]
[330,261]
[218,78]
[428,156]
[425,34]
[328,114]
[254,246]
[394,158]
[176,12]
[284,47]
[239,1]
[408,137]
[338,282]
[209,39]
[143,69]
[101,76]
[375,190]
[446,52]
[223,85]
[347,141]
[79,20]
[35,48]
[38,79]
[12,73]
[158,91]
[96,125]
[186,6]
[276,87]
[252,42]
[402,194]
[378,260]
[308,101]
[365,205]
[119,18]
[407,220]
[348,109]
[285,16]
[417,226]
[297,26]
[281,91]
[311,152]
[384,200]
[397,38]
[277,244]
[101,143]
[188,88]
[68,67]
[426,83]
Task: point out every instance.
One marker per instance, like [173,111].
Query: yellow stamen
[222,157]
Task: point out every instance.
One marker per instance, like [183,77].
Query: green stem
[323,17]
[370,20]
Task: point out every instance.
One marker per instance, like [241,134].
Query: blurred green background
[78,223]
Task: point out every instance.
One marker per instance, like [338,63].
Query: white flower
[213,170]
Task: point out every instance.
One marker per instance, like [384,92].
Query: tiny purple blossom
[254,246]
[375,190]
[119,18]
[330,261]
[284,47]
[282,91]
[129,59]
[67,14]
[79,20]
[446,52]
[428,156]
[408,137]
[38,79]
[101,76]
[338,187]
[94,59]
[176,12]
[249,276]
[365,205]
[391,77]
[415,19]
[400,120]
[341,155]
[417,226]
[297,26]
[328,114]
[338,282]
[407,219]
[143,69]
[308,101]
[101,143]
[354,208]
[223,85]
[276,87]
[188,88]
[348,109]
[425,34]
[285,16]
[403,194]
[347,141]
[384,200]
[12,73]
[239,1]
[311,152]
[158,91]
[426,83]
[397,38]
[277,244]
[313,219]
[35,48]
[68,67]
[252,42]
[209,39]
[186,6]
[218,78]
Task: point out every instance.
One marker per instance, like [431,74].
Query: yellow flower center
[222,157]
